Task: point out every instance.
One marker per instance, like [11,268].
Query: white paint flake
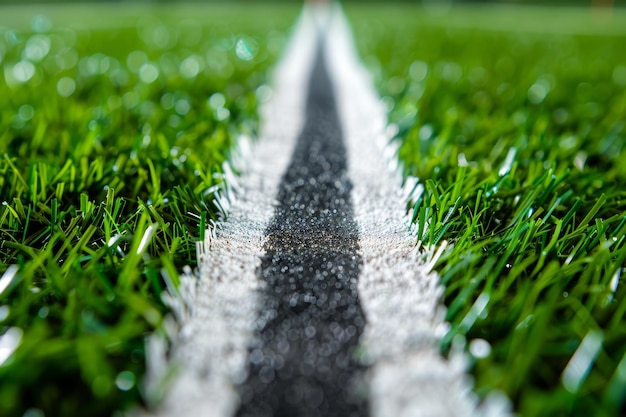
[399,293]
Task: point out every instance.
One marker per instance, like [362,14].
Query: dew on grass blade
[66,58]
[613,284]
[66,86]
[43,312]
[9,341]
[191,66]
[449,71]
[264,93]
[461,160]
[11,37]
[222,114]
[147,236]
[480,348]
[418,70]
[37,47]
[125,380]
[182,106]
[26,112]
[161,37]
[8,278]
[23,71]
[217,101]
[580,364]
[40,23]
[426,132]
[148,73]
[475,311]
[246,48]
[508,162]
[537,92]
[4,312]
[130,99]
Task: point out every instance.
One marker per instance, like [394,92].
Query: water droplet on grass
[480,348]
[263,93]
[40,23]
[26,112]
[37,47]
[537,93]
[9,277]
[581,362]
[508,162]
[191,66]
[217,100]
[246,48]
[9,341]
[222,114]
[43,312]
[125,380]
[23,71]
[66,58]
[148,73]
[418,70]
[4,312]
[450,71]
[66,86]
[182,106]
[425,132]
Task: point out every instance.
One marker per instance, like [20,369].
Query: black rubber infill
[304,362]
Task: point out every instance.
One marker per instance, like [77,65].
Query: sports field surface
[117,125]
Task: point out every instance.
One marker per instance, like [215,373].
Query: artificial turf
[115,123]
[514,122]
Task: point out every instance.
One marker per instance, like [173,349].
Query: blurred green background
[599,3]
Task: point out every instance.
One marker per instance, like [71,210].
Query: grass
[514,122]
[114,127]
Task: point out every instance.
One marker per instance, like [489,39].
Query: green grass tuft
[110,142]
[517,132]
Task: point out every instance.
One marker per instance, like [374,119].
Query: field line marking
[400,295]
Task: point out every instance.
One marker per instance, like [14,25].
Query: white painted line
[219,310]
[399,293]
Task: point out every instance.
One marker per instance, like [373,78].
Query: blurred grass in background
[114,125]
[514,121]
